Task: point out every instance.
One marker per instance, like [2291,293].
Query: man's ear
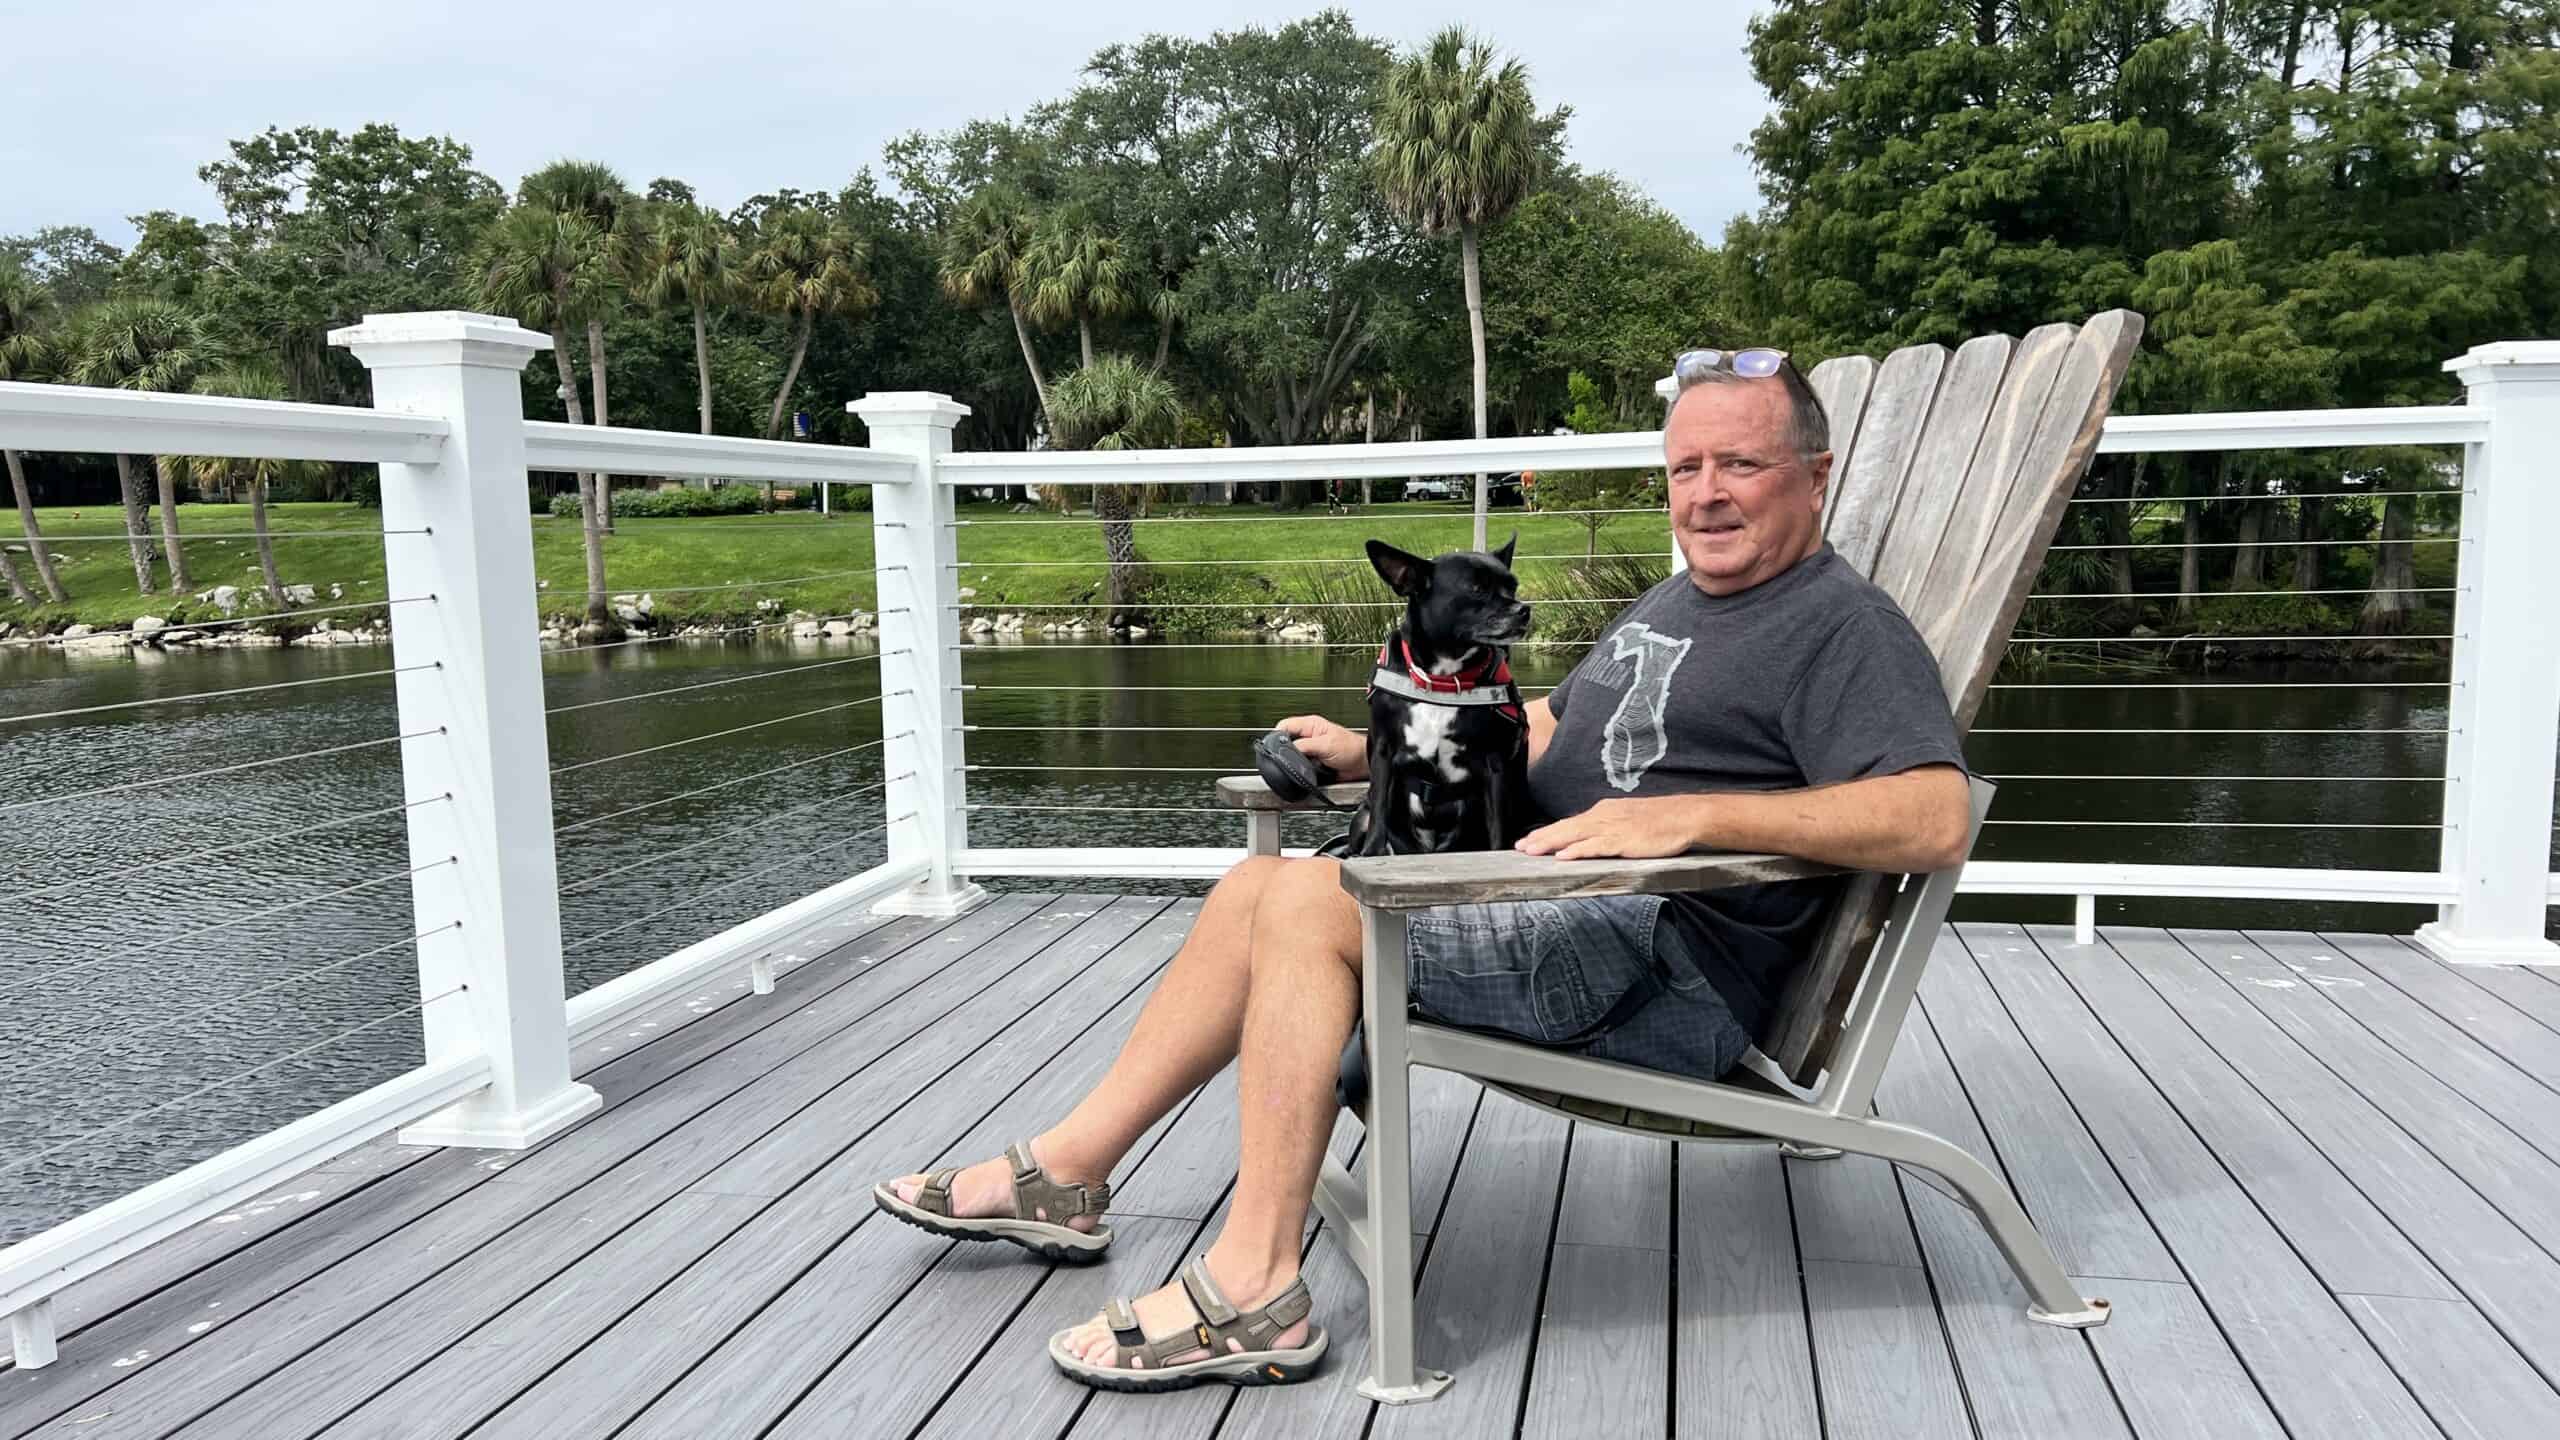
[1504,554]
[1405,574]
[1820,471]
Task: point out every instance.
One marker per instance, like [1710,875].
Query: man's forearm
[1916,821]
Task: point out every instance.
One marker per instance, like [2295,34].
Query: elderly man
[1768,699]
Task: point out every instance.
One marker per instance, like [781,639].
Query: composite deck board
[2346,1237]
[2064,1180]
[703,1258]
[2533,989]
[1603,1363]
[1741,1356]
[2323,973]
[2023,1379]
[2492,1262]
[417,1299]
[1886,1373]
[2316,1368]
[231,1290]
[2472,1383]
[912,1117]
[1476,1310]
[2523,1041]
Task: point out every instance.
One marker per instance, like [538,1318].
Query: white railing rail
[449,432]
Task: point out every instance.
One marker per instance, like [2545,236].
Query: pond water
[161,939]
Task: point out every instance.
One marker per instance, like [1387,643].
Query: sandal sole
[1038,1237]
[1266,1367]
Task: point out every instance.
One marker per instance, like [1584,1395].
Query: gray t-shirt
[1814,677]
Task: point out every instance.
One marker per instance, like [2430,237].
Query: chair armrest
[1247,792]
[1409,882]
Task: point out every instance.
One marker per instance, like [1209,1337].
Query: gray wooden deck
[2318,1176]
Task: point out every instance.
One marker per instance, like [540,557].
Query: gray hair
[1808,424]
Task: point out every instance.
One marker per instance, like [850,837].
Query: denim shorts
[1548,970]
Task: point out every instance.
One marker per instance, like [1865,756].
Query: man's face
[1744,505]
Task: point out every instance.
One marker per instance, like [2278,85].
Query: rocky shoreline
[240,626]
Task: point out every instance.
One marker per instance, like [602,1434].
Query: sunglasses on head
[1755,364]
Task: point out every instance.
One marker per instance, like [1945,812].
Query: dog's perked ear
[1406,574]
[1504,554]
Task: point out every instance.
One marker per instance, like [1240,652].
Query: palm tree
[1113,404]
[982,257]
[1456,151]
[593,192]
[26,353]
[803,263]
[1074,272]
[681,254]
[249,382]
[546,267]
[141,343]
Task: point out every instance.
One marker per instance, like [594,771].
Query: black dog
[1448,740]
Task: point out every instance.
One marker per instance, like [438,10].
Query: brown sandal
[1041,1208]
[1261,1361]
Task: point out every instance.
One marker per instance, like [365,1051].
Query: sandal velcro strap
[934,1198]
[1123,1321]
[1205,1297]
[1097,1198]
[1038,1196]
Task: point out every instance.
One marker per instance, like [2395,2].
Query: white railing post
[2505,706]
[490,919]
[916,551]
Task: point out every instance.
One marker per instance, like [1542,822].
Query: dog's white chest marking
[1431,732]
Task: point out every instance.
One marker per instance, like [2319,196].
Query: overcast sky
[113,107]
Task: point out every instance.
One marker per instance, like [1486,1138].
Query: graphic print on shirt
[1634,738]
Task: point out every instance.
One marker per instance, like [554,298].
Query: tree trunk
[27,525]
[1084,336]
[166,472]
[1164,345]
[595,367]
[790,376]
[702,363]
[2391,607]
[1030,357]
[1468,263]
[1119,543]
[2190,567]
[2248,557]
[266,541]
[591,535]
[1368,436]
[2306,555]
[2122,478]
[577,412]
[137,529]
[18,590]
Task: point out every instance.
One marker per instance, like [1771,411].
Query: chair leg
[1393,1377]
[2054,1299]
[31,1335]
[1345,1208]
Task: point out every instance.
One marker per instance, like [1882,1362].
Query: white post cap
[928,405]
[1668,387]
[2506,358]
[440,337]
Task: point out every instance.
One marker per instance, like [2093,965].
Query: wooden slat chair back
[1947,489]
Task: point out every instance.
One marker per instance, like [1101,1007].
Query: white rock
[1139,632]
[177,637]
[146,625]
[806,630]
[839,629]
[225,598]
[78,632]
[767,607]
[300,594]
[541,584]
[259,640]
[968,592]
[337,591]
[648,605]
[982,626]
[627,614]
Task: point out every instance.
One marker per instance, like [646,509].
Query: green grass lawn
[820,564]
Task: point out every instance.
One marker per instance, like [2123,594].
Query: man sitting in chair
[1767,699]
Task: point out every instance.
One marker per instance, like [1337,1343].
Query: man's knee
[1249,877]
[1304,898]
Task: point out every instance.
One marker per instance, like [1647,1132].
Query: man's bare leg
[1306,993]
[1185,1034]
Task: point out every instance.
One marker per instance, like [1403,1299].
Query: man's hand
[1625,829]
[1338,748]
